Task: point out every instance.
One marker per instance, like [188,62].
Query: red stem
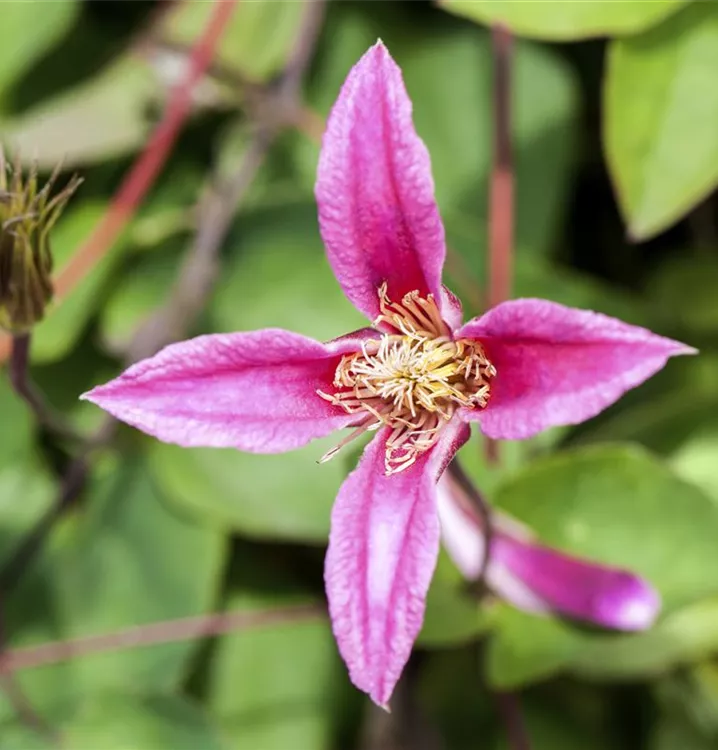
[501,190]
[154,633]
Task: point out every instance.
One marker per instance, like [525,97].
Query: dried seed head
[26,217]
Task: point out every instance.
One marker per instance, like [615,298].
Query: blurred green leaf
[102,118]
[66,320]
[126,560]
[682,292]
[681,637]
[274,687]
[257,41]
[287,496]
[453,614]
[28,31]
[135,296]
[566,21]
[661,117]
[619,506]
[525,648]
[279,276]
[119,721]
[674,734]
[695,461]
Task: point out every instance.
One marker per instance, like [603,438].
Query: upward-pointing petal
[375,193]
[253,391]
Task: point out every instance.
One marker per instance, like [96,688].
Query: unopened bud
[26,217]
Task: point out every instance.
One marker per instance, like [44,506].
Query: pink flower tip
[630,604]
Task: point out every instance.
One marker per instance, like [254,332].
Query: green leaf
[680,638]
[135,296]
[525,648]
[453,614]
[274,687]
[257,40]
[287,496]
[566,21]
[127,560]
[619,505]
[141,722]
[28,31]
[66,320]
[674,734]
[616,505]
[99,119]
[279,257]
[661,118]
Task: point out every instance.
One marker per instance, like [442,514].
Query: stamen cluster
[411,379]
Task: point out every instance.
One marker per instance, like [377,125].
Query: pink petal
[539,579]
[587,591]
[253,391]
[382,552]
[375,193]
[557,365]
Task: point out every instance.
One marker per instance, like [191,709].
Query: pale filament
[411,379]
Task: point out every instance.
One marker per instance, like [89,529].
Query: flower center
[411,379]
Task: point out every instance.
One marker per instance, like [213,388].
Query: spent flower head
[27,215]
[417,376]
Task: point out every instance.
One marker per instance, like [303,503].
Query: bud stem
[20,381]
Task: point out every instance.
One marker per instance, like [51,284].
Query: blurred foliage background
[615,129]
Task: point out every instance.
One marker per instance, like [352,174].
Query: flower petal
[382,552]
[539,579]
[577,588]
[557,365]
[375,193]
[253,391]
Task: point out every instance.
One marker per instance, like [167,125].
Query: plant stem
[501,190]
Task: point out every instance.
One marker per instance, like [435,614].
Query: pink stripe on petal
[577,588]
[375,193]
[558,365]
[382,552]
[253,391]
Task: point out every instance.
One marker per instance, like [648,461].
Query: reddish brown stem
[154,633]
[145,170]
[501,190]
[510,712]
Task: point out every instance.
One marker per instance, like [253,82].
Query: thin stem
[22,385]
[510,712]
[501,190]
[16,696]
[168,631]
[71,487]
[478,503]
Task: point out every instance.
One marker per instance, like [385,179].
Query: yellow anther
[412,379]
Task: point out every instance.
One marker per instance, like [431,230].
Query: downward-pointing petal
[254,391]
[375,192]
[557,365]
[382,553]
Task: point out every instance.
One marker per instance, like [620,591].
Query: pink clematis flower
[417,377]
[536,578]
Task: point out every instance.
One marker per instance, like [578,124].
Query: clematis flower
[418,377]
[536,578]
